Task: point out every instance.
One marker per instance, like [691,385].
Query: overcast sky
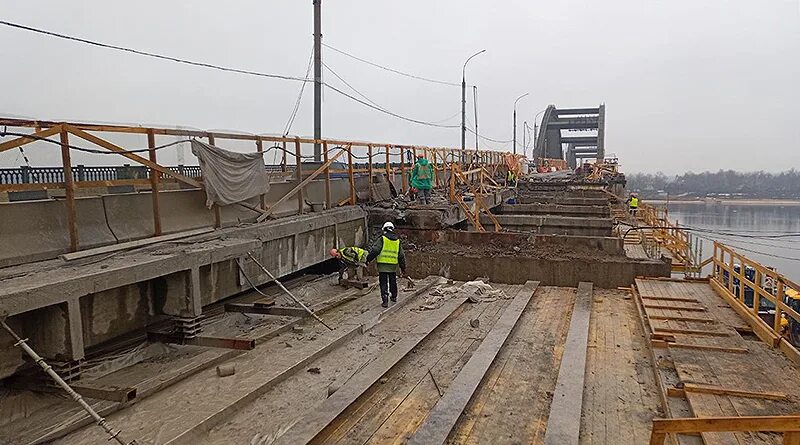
[688,85]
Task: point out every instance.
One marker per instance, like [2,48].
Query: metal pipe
[75,396]
[515,123]
[296,300]
[317,79]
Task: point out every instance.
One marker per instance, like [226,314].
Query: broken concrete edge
[312,423]
[440,421]
[564,420]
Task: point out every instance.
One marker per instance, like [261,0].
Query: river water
[755,219]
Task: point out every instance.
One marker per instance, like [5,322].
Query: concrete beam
[600,211]
[575,123]
[575,111]
[579,140]
[517,268]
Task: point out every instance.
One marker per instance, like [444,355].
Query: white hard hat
[388,226]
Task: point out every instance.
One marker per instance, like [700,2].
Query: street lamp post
[464,101]
[515,122]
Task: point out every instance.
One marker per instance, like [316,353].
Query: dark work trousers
[424,195]
[388,286]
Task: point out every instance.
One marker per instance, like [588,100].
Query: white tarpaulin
[230,177]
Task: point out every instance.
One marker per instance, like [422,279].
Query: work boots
[384,301]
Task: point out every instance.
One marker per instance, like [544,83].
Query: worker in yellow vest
[633,204]
[351,259]
[388,253]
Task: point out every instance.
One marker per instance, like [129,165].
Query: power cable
[147,54]
[299,95]
[325,65]
[488,138]
[220,68]
[376,65]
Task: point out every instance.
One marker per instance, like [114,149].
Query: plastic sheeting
[230,177]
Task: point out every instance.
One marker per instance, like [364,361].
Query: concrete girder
[576,111]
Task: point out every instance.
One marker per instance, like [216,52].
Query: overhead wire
[221,68]
[296,108]
[376,65]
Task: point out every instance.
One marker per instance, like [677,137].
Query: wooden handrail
[789,425]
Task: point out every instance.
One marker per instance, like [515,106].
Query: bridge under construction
[539,308]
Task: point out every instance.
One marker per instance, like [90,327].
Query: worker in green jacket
[422,178]
[388,252]
[352,258]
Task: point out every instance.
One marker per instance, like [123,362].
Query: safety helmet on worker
[335,252]
[388,226]
[421,155]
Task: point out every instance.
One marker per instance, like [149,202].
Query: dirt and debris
[528,248]
[475,291]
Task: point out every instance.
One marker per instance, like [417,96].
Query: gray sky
[688,85]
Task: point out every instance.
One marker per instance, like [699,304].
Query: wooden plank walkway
[444,415]
[714,358]
[564,422]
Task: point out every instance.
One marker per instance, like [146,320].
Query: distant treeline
[722,183]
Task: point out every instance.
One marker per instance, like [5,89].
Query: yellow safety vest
[354,254]
[389,252]
[634,202]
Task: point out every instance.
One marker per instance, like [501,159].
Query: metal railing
[394,161]
[54,176]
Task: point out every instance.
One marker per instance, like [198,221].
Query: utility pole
[524,130]
[317,79]
[475,105]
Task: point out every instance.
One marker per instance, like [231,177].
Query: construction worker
[351,259]
[422,178]
[511,178]
[388,252]
[633,204]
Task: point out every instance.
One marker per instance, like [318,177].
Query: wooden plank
[723,424]
[20,141]
[690,332]
[111,393]
[314,421]
[681,318]
[675,308]
[337,338]
[444,415]
[132,244]
[154,176]
[298,155]
[719,390]
[69,187]
[708,348]
[109,146]
[563,424]
[660,298]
